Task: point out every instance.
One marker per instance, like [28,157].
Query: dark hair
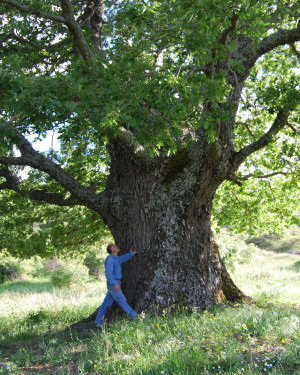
[109,248]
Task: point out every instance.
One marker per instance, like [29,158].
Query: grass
[289,240]
[271,278]
[235,339]
[33,307]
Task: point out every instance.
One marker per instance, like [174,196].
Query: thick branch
[14,183]
[277,39]
[93,16]
[51,198]
[32,158]
[279,123]
[75,30]
[25,9]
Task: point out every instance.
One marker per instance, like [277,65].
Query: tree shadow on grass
[25,286]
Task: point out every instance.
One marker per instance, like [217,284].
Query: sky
[50,142]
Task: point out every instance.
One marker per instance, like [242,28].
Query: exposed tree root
[228,290]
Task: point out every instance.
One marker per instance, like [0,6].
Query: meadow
[260,338]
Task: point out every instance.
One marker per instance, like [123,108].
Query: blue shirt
[113,270]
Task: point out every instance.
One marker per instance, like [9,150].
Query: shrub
[34,266]
[93,263]
[51,265]
[9,269]
[67,274]
[234,250]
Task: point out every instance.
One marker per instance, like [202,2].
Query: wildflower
[162,372]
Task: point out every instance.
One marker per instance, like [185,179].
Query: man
[113,273]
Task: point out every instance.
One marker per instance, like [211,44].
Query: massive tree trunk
[163,210]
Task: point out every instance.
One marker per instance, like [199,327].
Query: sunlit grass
[230,340]
[34,306]
[227,339]
[271,277]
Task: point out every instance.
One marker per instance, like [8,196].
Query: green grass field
[262,338]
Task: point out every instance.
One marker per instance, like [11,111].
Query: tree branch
[236,179]
[49,47]
[25,9]
[93,16]
[247,127]
[234,21]
[193,69]
[30,157]
[14,183]
[277,39]
[279,123]
[75,30]
[295,51]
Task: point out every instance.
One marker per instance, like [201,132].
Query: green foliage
[259,206]
[9,269]
[94,263]
[67,274]
[234,250]
[29,228]
[141,81]
[34,266]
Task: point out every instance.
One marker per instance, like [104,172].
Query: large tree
[156,104]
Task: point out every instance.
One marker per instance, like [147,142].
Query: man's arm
[124,258]
[109,267]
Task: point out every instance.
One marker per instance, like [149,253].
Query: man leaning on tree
[113,273]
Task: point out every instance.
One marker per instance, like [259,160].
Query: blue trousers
[110,297]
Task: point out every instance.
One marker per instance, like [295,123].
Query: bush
[9,269]
[234,250]
[34,266]
[93,263]
[51,265]
[67,274]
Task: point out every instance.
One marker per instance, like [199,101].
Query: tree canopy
[162,74]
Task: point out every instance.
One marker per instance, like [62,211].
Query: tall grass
[35,306]
[271,278]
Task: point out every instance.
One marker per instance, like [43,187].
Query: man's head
[112,249]
[109,248]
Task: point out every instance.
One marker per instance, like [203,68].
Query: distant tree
[156,104]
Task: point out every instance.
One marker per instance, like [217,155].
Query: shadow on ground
[26,287]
